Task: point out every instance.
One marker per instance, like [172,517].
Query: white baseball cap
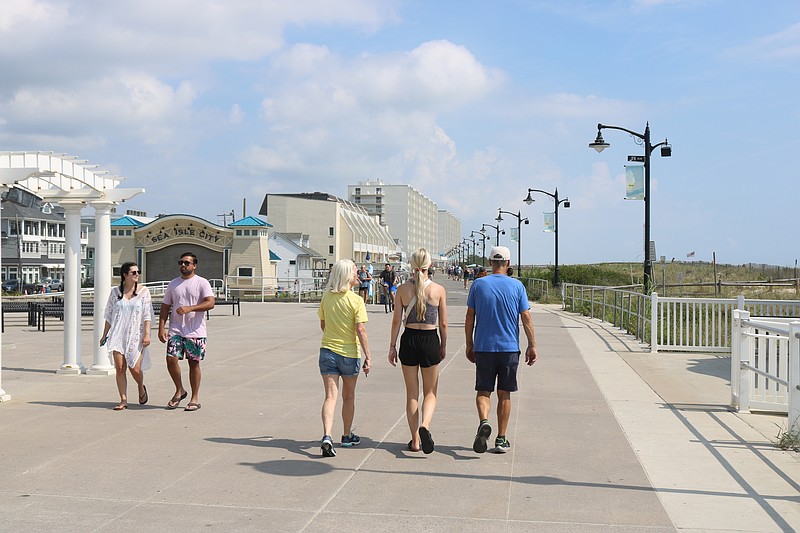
[500,253]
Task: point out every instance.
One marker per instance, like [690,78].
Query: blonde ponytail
[420,261]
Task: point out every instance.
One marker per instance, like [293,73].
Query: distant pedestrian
[342,318]
[494,306]
[126,335]
[424,304]
[185,302]
[364,281]
[388,279]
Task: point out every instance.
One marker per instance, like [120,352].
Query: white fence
[273,288]
[765,365]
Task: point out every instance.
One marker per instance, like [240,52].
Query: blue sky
[471,102]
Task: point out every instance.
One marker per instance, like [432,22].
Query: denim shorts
[339,365]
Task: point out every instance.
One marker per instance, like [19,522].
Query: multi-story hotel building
[411,217]
[449,232]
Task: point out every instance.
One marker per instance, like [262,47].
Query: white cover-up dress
[127,318]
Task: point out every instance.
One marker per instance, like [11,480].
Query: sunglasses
[133,272]
[185,263]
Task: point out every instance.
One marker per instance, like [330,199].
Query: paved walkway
[604,438]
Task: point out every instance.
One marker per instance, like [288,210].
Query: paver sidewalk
[249,459]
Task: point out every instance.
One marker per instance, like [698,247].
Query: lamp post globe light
[483,238]
[497,232]
[520,220]
[666,151]
[528,200]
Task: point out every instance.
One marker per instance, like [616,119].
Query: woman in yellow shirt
[342,317]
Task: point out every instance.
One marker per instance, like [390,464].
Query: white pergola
[73,184]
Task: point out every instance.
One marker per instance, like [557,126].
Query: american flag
[690,254]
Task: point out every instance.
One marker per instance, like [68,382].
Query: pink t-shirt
[181,292]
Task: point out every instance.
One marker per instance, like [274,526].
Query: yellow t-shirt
[341,311]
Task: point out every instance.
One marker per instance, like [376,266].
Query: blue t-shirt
[498,301]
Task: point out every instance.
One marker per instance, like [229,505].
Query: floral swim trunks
[180,347]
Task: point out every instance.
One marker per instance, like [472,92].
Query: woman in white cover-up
[128,314]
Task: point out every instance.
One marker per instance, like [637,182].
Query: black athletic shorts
[496,366]
[419,347]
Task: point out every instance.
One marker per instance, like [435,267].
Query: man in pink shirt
[186,300]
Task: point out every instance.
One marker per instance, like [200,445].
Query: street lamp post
[666,151]
[483,245]
[497,232]
[520,219]
[557,202]
[474,244]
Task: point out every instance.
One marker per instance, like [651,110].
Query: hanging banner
[634,182]
[515,234]
[549,222]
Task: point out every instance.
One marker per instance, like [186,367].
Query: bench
[56,310]
[17,307]
[236,308]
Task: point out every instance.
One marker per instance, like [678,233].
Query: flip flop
[121,406]
[143,397]
[411,448]
[176,400]
[192,406]
[426,440]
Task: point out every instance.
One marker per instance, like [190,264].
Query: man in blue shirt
[494,306]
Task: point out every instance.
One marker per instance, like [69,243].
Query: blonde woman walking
[342,317]
[422,305]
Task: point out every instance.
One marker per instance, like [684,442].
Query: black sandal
[410,447]
[426,440]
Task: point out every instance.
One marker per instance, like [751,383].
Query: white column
[4,396]
[72,290]
[102,285]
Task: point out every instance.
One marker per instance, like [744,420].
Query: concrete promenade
[604,438]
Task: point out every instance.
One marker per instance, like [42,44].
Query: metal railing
[623,307]
[538,289]
[283,288]
[671,324]
[765,365]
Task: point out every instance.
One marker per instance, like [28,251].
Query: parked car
[13,285]
[49,285]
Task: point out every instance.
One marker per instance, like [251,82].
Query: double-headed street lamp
[528,200]
[497,232]
[483,238]
[666,150]
[467,240]
[520,219]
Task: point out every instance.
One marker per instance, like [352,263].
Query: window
[238,233]
[113,233]
[378,190]
[292,262]
[246,272]
[358,190]
[115,271]
[330,231]
[330,249]
[128,232]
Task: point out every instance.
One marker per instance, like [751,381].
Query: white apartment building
[449,232]
[336,229]
[411,217]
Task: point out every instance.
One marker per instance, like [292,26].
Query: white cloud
[136,101]
[784,44]
[379,110]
